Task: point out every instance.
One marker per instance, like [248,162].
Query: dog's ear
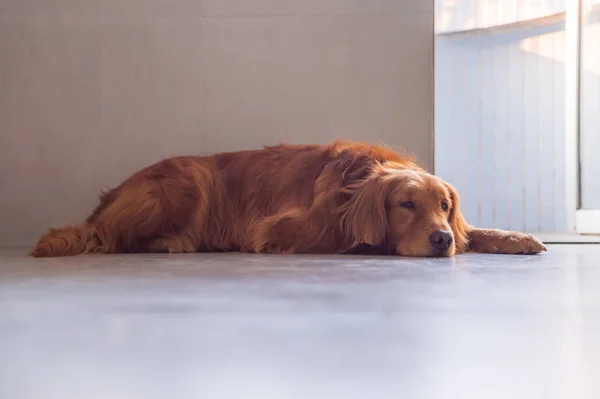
[354,168]
[459,226]
[363,218]
[361,200]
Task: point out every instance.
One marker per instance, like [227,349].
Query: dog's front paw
[519,243]
[493,241]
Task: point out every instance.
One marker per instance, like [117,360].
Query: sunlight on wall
[458,15]
[550,46]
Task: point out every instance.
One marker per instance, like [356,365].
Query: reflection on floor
[238,326]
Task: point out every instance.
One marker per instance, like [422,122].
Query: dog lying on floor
[341,198]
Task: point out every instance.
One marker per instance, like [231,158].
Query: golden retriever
[340,198]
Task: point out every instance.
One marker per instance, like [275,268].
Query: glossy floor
[238,326]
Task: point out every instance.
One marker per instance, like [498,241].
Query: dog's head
[413,212]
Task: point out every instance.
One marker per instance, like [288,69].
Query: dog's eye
[444,206]
[407,204]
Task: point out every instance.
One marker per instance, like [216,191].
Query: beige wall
[92,90]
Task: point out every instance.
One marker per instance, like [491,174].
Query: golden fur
[339,198]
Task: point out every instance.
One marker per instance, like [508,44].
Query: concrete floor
[239,326]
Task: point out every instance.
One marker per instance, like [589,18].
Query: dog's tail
[68,241]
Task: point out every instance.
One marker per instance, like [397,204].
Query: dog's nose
[441,240]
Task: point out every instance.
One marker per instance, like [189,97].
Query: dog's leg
[292,231]
[277,234]
[176,244]
[503,242]
[156,210]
